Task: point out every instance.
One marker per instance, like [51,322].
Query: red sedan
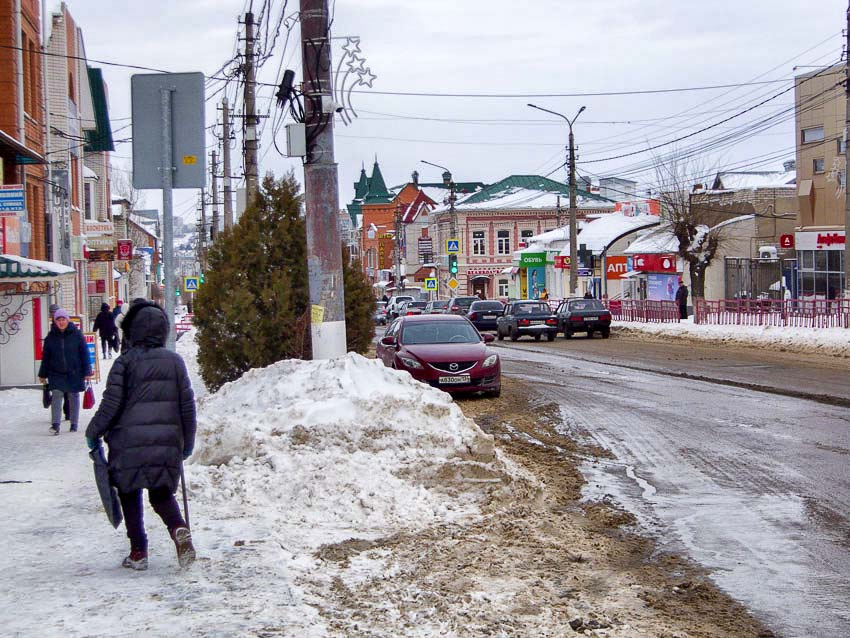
[445,351]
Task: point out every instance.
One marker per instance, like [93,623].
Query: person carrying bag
[147,418]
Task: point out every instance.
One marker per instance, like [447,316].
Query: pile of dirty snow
[325,450]
[828,341]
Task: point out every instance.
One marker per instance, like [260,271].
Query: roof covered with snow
[751,180]
[601,232]
[656,241]
[529,192]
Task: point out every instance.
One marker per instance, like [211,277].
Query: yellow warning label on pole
[317,314]
[190,159]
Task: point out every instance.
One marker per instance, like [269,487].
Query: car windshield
[417,304]
[439,304]
[486,305]
[464,302]
[587,304]
[439,332]
[528,308]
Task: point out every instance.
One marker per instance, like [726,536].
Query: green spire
[361,187]
[377,186]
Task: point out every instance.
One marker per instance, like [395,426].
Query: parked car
[527,317]
[445,351]
[584,315]
[459,305]
[436,307]
[380,315]
[483,314]
[411,308]
[394,303]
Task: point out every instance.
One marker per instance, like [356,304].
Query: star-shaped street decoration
[355,64]
[367,77]
[352,46]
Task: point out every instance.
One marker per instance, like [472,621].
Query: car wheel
[568,334]
[590,334]
[551,336]
[499,335]
[496,393]
[514,335]
[537,337]
[606,332]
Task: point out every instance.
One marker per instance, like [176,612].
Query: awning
[510,270]
[20,153]
[15,267]
[381,284]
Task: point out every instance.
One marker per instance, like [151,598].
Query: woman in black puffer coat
[104,324]
[147,417]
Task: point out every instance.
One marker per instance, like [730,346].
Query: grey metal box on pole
[188,151]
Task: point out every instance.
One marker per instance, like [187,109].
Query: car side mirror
[388,341]
[488,338]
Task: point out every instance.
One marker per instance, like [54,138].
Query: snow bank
[827,341]
[334,448]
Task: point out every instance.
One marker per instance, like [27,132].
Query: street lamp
[571,162]
[448,181]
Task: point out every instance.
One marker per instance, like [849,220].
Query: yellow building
[820,104]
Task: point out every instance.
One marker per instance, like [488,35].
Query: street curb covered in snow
[833,342]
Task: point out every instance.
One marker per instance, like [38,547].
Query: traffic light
[453,264]
[177,292]
[201,277]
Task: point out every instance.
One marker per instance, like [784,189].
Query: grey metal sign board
[187,129]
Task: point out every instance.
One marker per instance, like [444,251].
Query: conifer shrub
[253,308]
[359,306]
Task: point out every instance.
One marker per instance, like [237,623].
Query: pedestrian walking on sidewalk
[65,367]
[682,299]
[147,418]
[104,325]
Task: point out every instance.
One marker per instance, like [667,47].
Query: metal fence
[814,313]
[645,310]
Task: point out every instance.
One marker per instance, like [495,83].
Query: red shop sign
[562,262]
[654,263]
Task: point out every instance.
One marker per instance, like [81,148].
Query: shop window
[820,260]
[814,134]
[503,242]
[808,259]
[818,165]
[478,242]
[503,287]
[835,260]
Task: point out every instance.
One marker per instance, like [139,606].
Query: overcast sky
[536,48]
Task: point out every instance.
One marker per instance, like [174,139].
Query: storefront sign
[616,267]
[101,255]
[532,260]
[100,242]
[562,262]
[654,263]
[825,240]
[99,228]
[125,249]
[425,249]
[11,200]
[661,287]
[640,207]
[786,241]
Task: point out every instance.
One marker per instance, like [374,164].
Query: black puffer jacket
[147,414]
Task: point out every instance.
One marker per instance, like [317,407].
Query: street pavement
[751,484]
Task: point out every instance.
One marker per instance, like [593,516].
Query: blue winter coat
[65,360]
[147,413]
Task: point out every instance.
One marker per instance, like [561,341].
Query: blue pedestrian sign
[190,284]
[452,246]
[431,283]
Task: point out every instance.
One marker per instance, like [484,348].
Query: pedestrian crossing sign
[431,283]
[191,284]
[452,246]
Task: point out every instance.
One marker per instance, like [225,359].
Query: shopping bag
[45,395]
[88,397]
[108,492]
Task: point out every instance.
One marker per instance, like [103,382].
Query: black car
[584,315]
[459,305]
[483,314]
[528,317]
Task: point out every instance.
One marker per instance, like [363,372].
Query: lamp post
[448,181]
[571,162]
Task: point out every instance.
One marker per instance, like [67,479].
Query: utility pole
[321,196]
[558,212]
[846,156]
[571,163]
[214,171]
[203,237]
[225,153]
[398,231]
[250,120]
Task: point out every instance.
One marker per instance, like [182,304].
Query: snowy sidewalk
[827,341]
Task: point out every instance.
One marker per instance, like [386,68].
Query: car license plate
[536,322]
[458,379]
[591,318]
[489,316]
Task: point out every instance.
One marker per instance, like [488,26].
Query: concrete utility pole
[321,190]
[250,120]
[398,232]
[214,172]
[846,156]
[202,235]
[225,153]
[571,162]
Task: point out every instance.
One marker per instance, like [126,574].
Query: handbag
[108,493]
[45,395]
[88,397]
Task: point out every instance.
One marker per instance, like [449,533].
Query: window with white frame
[814,134]
[478,245]
[503,242]
[503,287]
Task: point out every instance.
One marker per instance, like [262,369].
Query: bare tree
[696,226]
[122,188]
